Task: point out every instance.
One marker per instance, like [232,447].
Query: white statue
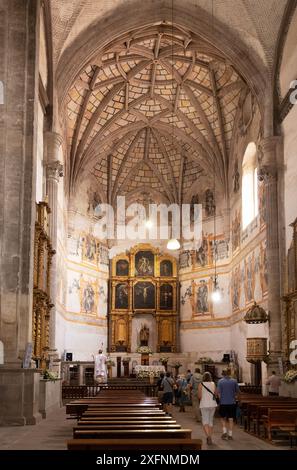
[100,373]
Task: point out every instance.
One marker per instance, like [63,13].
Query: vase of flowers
[290,376]
[176,366]
[164,361]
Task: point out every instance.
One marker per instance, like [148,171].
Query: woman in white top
[207,397]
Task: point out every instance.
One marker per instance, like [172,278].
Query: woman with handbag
[208,402]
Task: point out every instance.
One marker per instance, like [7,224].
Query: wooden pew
[126,427]
[279,418]
[140,445]
[133,434]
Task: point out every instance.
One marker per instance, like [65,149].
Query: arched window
[250,206]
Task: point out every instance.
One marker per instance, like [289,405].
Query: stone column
[268,173]
[19,28]
[54,171]
[19,73]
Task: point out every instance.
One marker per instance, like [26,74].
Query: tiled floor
[53,432]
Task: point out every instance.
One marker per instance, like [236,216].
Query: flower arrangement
[144,350]
[163,360]
[49,375]
[144,374]
[176,364]
[110,362]
[204,360]
[290,376]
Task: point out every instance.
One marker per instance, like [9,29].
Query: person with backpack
[208,404]
[182,392]
[167,384]
[196,379]
[159,386]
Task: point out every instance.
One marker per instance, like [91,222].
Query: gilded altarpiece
[143,282]
[42,303]
[290,300]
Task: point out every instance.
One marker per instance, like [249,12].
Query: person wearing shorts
[227,390]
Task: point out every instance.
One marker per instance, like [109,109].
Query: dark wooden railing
[85,391]
[256,389]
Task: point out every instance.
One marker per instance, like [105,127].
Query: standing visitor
[207,397]
[100,373]
[196,379]
[274,384]
[227,390]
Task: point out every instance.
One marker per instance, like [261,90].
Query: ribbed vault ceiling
[154,110]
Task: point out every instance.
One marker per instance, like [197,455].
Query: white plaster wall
[290,157]
[84,340]
[210,342]
[60,332]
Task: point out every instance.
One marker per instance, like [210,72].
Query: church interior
[110,109]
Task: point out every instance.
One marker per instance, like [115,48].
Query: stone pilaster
[19,73]
[54,171]
[268,173]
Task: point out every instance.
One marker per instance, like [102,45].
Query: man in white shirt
[274,384]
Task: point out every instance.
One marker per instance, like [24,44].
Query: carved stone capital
[268,150]
[54,170]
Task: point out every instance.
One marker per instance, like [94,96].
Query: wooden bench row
[119,421]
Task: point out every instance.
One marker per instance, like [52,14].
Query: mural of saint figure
[201,254]
[90,248]
[88,299]
[209,203]
[202,298]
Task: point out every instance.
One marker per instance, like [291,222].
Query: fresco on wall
[103,255]
[210,206]
[200,298]
[185,259]
[89,250]
[89,296]
[236,226]
[202,254]
[202,305]
[263,268]
[249,281]
[236,287]
[93,202]
[194,200]
[236,177]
